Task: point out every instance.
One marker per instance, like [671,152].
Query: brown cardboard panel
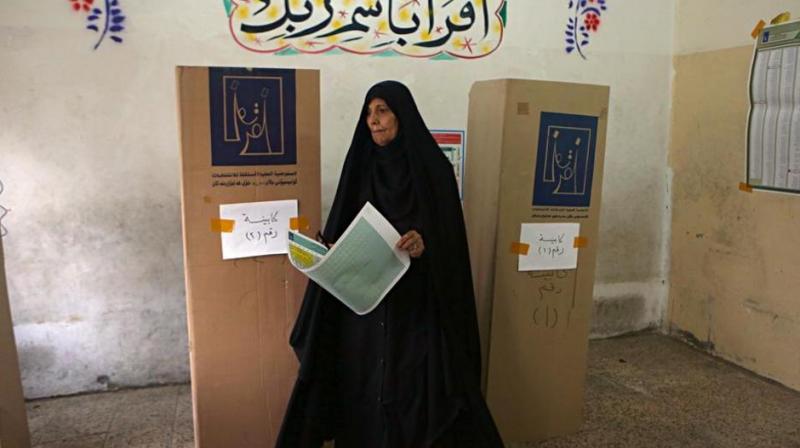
[481,194]
[733,254]
[13,417]
[241,311]
[536,368]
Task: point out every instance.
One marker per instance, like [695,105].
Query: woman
[406,375]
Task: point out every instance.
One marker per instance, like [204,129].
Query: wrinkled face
[382,122]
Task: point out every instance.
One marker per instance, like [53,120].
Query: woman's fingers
[412,243]
[401,244]
[408,240]
[405,241]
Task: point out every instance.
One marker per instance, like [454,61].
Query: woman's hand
[321,240]
[412,243]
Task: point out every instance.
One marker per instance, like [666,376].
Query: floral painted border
[585,20]
[105,18]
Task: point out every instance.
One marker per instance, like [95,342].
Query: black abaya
[407,374]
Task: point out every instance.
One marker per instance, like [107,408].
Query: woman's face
[381,121]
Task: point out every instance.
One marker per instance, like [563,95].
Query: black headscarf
[454,355]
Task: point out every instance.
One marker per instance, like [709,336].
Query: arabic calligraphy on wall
[585,20]
[419,28]
[104,17]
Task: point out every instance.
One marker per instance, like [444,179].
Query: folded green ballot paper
[361,268]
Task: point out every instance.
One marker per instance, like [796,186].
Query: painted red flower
[78,5]
[592,21]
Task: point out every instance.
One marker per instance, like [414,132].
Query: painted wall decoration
[444,29]
[252,116]
[104,17]
[565,160]
[584,20]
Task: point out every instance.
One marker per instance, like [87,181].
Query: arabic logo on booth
[451,29]
[565,160]
[252,116]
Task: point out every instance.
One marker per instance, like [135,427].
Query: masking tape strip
[520,248]
[580,241]
[746,188]
[298,223]
[781,18]
[222,225]
[758,28]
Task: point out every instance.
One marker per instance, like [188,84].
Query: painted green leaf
[288,51]
[443,57]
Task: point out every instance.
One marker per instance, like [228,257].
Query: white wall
[713,25]
[89,158]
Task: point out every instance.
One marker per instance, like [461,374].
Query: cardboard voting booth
[250,169]
[13,418]
[532,203]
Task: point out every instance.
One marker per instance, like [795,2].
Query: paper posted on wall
[363,265]
[773,133]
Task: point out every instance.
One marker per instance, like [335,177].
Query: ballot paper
[363,265]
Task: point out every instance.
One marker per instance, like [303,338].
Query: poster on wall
[773,130]
[565,160]
[258,228]
[453,144]
[425,29]
[252,116]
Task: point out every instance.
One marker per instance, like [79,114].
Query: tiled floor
[653,391]
[144,418]
[643,391]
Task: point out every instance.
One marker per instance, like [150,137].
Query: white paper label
[551,246]
[261,228]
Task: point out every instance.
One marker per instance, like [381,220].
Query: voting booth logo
[252,116]
[565,160]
